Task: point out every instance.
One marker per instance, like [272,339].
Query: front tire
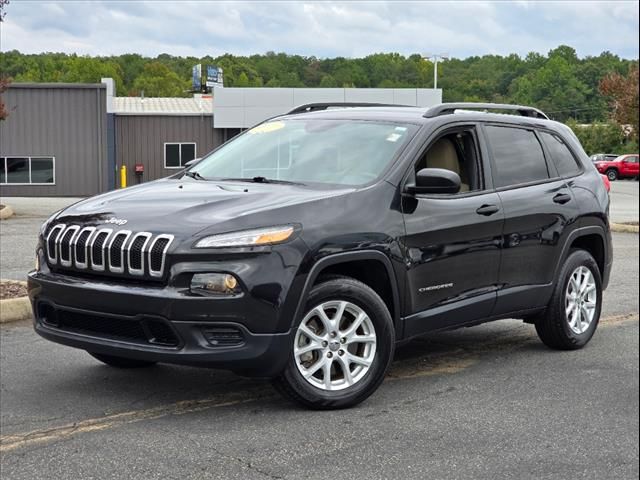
[573,313]
[121,362]
[342,346]
[612,174]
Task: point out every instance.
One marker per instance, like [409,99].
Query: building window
[177,154]
[27,170]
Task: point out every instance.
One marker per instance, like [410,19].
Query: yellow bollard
[123,176]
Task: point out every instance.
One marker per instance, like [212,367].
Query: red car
[624,166]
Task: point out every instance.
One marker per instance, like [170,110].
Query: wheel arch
[351,264]
[591,239]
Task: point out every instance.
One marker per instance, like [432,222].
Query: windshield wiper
[261,180]
[194,175]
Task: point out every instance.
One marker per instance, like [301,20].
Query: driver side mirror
[435,180]
[191,163]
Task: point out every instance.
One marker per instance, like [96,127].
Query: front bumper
[124,320]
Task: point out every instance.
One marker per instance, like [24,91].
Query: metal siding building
[140,140]
[65,121]
[143,126]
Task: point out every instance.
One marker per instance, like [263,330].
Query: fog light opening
[47,314]
[214,283]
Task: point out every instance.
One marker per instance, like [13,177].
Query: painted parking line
[447,363]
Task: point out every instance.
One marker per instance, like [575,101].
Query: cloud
[321,29]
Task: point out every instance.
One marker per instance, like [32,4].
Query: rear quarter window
[517,156]
[564,160]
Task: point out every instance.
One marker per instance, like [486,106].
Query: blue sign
[196,77]
[214,76]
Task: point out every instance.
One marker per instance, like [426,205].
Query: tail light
[607,183]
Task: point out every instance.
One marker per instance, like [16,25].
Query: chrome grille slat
[53,242]
[103,234]
[160,271]
[108,250]
[64,245]
[132,262]
[117,252]
[79,245]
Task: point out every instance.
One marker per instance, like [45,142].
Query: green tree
[601,137]
[328,82]
[560,82]
[86,69]
[242,80]
[554,88]
[157,80]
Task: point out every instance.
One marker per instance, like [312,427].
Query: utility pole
[435,57]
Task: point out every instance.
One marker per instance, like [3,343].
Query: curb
[6,212]
[624,228]
[15,309]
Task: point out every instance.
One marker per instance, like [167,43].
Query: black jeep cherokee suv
[306,248]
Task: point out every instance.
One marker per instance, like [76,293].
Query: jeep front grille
[105,250]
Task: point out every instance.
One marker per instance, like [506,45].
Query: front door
[629,166]
[452,242]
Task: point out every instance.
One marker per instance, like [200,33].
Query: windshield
[344,152]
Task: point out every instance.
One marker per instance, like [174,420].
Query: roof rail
[313,107]
[449,108]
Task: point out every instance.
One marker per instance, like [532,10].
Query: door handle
[562,198]
[487,210]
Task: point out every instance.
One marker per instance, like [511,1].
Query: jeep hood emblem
[116,221]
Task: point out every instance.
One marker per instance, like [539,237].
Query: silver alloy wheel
[334,345]
[581,299]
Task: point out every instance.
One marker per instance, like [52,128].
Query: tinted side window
[561,155]
[517,156]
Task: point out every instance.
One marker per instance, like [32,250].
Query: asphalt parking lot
[486,402]
[624,201]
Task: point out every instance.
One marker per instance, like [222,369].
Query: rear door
[539,208]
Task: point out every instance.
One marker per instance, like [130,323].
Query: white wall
[245,107]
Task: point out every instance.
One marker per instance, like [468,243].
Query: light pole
[435,57]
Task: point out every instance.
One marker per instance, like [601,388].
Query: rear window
[561,155]
[517,155]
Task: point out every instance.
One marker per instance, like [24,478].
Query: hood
[189,206]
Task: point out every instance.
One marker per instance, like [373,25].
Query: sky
[323,29]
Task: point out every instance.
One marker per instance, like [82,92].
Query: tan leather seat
[442,154]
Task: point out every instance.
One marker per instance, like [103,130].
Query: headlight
[248,238]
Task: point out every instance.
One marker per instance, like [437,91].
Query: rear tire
[121,362]
[573,312]
[342,346]
[612,174]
